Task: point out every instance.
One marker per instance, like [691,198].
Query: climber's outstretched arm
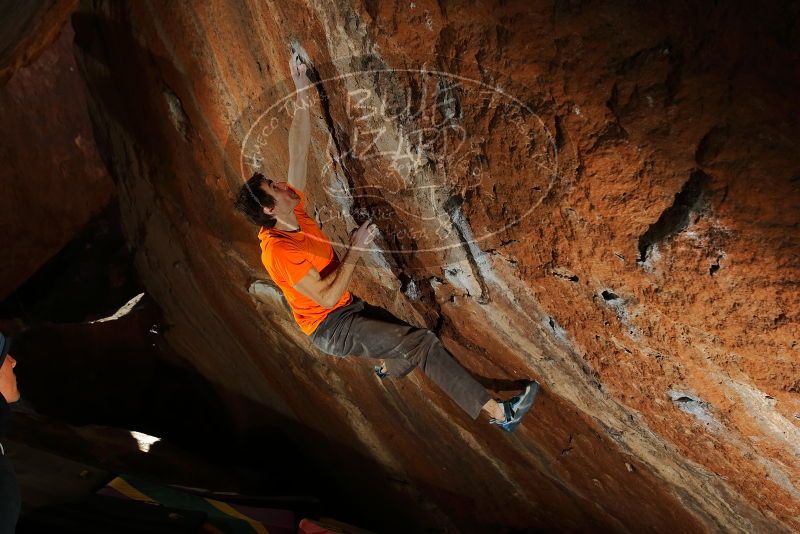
[300,132]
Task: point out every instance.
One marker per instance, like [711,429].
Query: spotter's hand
[364,235]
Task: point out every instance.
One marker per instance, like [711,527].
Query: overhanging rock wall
[27,28]
[603,198]
[53,179]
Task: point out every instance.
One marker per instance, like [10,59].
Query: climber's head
[264,202]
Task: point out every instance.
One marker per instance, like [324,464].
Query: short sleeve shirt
[289,256]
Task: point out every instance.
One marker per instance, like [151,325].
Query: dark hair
[252,199]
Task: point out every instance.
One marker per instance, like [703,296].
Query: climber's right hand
[364,235]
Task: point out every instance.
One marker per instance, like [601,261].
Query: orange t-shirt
[288,256]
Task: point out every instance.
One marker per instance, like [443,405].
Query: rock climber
[301,261]
[10,500]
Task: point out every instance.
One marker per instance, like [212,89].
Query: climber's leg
[349,331]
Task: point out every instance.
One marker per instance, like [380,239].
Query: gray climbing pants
[352,330]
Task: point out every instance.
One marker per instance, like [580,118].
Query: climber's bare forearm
[339,279]
[299,141]
[327,291]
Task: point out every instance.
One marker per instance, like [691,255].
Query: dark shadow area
[99,514]
[89,383]
[120,373]
[22,26]
[121,376]
[90,278]
[675,219]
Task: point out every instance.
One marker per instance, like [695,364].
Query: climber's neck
[287,222]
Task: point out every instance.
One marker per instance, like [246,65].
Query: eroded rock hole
[714,267]
[567,276]
[608,295]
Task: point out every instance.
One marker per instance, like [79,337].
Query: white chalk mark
[123,311]
[145,441]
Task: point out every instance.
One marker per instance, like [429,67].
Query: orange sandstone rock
[602,197]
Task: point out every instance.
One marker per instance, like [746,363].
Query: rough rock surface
[53,179]
[27,28]
[619,220]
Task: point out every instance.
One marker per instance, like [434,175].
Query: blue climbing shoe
[517,407]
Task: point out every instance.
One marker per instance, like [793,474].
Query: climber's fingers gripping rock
[364,235]
[299,72]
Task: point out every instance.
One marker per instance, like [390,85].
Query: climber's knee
[399,367]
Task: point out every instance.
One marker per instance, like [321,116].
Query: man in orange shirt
[302,262]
